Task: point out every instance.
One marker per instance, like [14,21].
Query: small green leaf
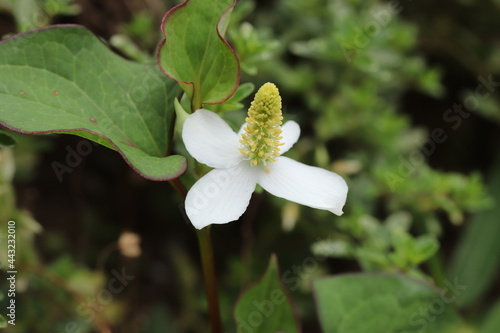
[403,247]
[425,247]
[383,303]
[234,103]
[265,306]
[181,116]
[64,80]
[195,54]
[410,251]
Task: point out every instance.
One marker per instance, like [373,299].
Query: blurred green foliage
[392,298]
[348,65]
[352,62]
[31,14]
[344,68]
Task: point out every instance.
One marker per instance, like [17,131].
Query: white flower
[251,157]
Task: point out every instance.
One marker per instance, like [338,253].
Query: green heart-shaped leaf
[265,306]
[6,140]
[195,54]
[385,303]
[64,80]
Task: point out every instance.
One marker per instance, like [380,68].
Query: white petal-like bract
[221,196]
[290,132]
[304,184]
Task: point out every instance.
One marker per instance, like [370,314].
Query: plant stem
[207,260]
[196,102]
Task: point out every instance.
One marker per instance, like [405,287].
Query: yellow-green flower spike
[261,139]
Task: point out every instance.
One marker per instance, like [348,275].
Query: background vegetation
[375,86]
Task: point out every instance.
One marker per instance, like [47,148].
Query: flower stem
[196,101]
[208,264]
[207,259]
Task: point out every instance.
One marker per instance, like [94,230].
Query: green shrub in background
[343,68]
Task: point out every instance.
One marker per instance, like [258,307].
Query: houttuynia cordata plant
[356,184]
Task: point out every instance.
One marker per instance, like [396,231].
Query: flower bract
[252,156]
